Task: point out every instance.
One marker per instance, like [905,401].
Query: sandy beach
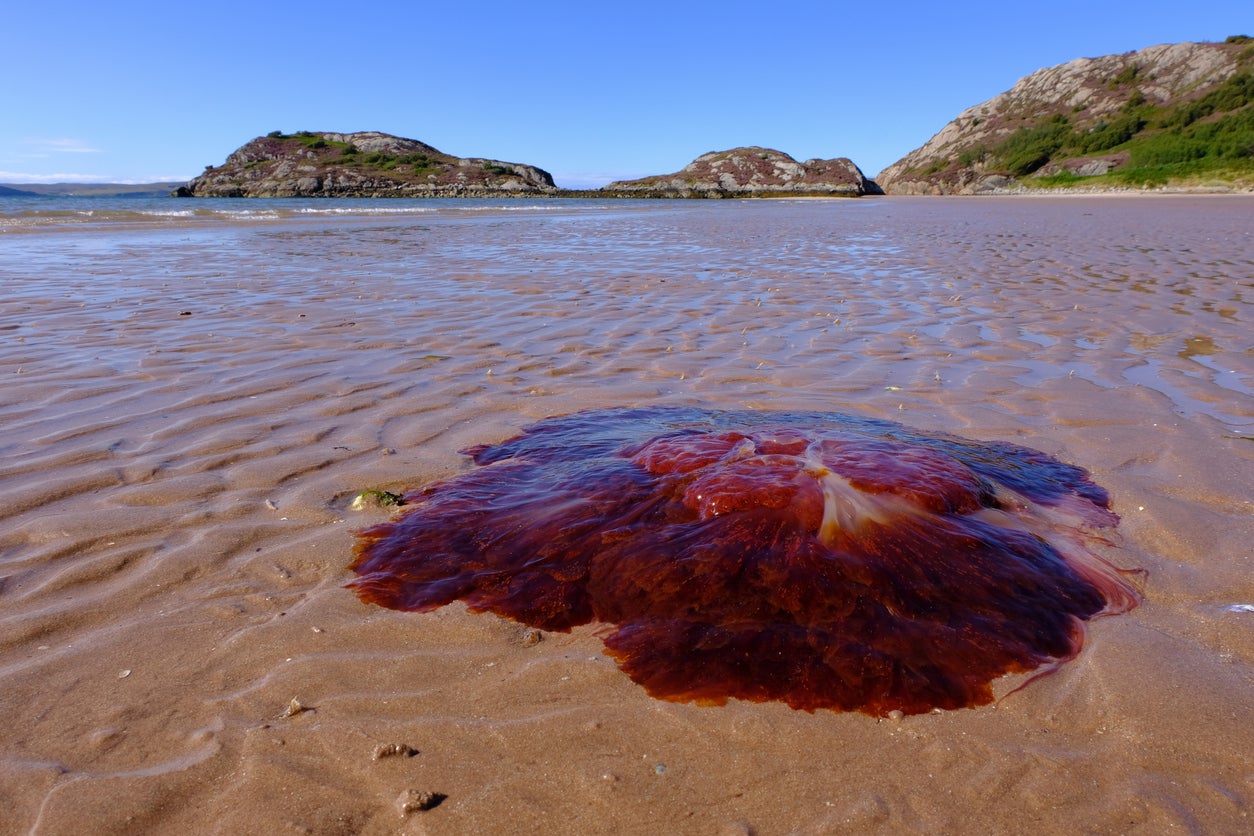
[191,403]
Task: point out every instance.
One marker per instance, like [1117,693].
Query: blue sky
[146,91]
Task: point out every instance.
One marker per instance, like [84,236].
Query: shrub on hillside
[1228,138]
[1027,149]
[1236,92]
[1109,134]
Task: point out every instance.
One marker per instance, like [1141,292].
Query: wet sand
[189,409]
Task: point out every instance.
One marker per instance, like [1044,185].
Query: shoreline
[662,194]
[1080,191]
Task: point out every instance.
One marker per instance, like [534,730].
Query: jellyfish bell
[818,559]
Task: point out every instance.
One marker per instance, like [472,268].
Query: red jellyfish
[823,560]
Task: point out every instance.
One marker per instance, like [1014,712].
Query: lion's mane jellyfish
[823,560]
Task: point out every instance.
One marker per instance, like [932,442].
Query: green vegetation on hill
[1180,115]
[415,163]
[386,162]
[350,155]
[1209,136]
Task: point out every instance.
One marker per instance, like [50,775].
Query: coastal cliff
[1174,114]
[364,164]
[751,172]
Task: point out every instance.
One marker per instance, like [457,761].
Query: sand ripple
[189,408]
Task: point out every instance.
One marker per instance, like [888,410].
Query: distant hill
[748,172]
[90,189]
[364,164]
[1178,114]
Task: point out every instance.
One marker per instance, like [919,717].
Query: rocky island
[1175,114]
[363,164]
[372,164]
[751,172]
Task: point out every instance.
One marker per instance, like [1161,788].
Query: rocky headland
[363,164]
[1171,115]
[751,172]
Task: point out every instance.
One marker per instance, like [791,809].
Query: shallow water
[192,399]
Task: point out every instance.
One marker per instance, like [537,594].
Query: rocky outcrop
[1083,117]
[751,172]
[365,164]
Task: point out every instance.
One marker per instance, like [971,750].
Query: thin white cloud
[61,145]
[12,177]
